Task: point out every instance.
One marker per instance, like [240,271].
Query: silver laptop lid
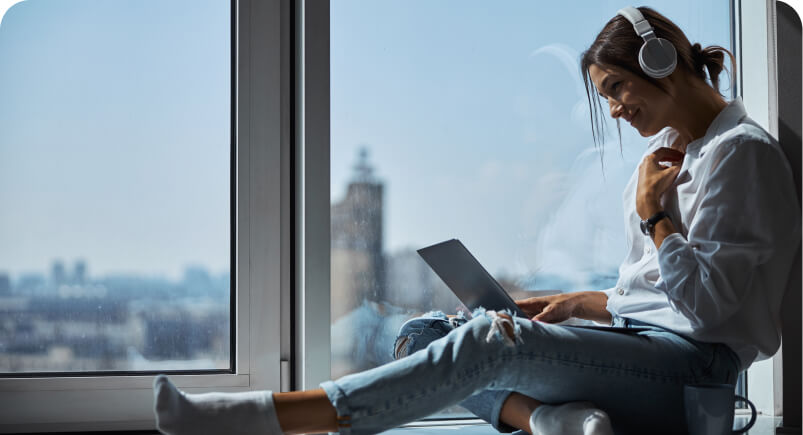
[466,277]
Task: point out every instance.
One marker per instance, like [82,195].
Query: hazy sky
[114,129]
[114,135]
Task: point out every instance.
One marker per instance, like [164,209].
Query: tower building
[357,261]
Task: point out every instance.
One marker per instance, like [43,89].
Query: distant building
[79,273]
[5,284]
[357,260]
[57,273]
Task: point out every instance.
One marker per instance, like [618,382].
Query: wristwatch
[648,225]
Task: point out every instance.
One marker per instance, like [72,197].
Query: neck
[697,107]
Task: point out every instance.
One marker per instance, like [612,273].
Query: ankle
[305,411]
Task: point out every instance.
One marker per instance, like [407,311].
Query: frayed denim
[637,378]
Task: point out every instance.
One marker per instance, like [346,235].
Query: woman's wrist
[591,305]
[647,207]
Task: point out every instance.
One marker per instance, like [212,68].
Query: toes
[165,393]
[598,423]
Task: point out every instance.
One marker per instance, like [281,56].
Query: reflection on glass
[114,186]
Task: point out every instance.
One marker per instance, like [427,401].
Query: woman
[712,224]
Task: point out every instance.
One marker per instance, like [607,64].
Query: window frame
[262,198]
[312,147]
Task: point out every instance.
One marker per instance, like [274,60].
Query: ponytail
[711,58]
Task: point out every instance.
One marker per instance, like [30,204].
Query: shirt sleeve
[748,213]
[609,293]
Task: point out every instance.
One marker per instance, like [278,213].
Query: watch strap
[656,217]
[648,225]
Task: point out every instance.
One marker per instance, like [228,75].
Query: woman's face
[637,101]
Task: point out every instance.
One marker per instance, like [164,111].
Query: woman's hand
[654,179]
[550,309]
[589,305]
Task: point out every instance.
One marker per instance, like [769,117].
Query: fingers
[532,304]
[549,315]
[666,155]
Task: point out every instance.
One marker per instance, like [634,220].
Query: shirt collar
[725,120]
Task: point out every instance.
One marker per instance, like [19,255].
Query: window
[115,180]
[470,120]
[167,113]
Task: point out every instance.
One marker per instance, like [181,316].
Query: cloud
[5,5]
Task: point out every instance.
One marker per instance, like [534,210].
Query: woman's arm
[588,305]
[741,241]
[654,179]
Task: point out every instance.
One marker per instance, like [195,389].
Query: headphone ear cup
[657,58]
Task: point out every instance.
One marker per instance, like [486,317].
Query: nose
[617,109]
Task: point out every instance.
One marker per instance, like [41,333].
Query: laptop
[475,287]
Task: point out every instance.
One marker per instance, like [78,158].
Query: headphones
[657,56]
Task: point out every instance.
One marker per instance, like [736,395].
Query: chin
[647,132]
[640,131]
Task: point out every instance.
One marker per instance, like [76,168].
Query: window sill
[765,425]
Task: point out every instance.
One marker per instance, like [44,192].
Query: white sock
[573,418]
[179,413]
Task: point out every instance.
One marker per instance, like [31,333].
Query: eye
[615,86]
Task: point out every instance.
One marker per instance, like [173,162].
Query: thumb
[671,172]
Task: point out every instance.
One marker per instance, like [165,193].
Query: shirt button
[621,291]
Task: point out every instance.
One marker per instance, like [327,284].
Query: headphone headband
[640,24]
[657,56]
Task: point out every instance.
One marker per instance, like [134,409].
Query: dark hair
[618,45]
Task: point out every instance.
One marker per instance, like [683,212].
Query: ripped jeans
[636,377]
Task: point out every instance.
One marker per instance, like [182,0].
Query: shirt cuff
[608,292]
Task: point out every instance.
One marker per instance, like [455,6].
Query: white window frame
[313,238]
[262,335]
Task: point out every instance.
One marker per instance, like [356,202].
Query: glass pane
[469,119]
[115,176]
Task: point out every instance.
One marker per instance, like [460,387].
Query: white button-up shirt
[722,276]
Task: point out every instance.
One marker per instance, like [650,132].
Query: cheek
[646,125]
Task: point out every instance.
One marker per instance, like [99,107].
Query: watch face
[645,228]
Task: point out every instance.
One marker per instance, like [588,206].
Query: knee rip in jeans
[400,347]
[400,350]
[502,327]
